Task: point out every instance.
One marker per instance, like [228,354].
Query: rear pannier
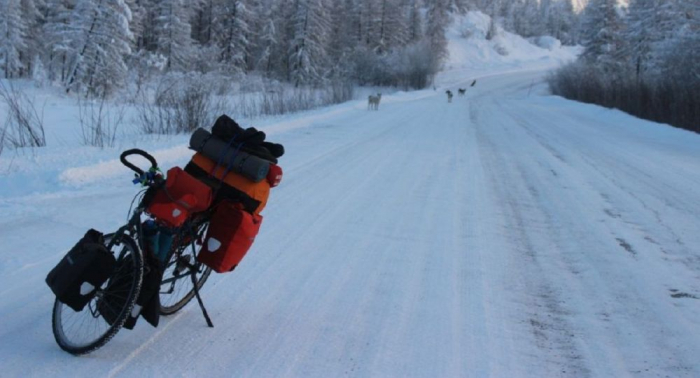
[231,233]
[181,196]
[82,271]
[230,185]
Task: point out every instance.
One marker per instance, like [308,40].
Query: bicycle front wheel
[85,331]
[176,288]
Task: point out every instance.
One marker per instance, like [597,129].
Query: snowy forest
[642,59]
[98,46]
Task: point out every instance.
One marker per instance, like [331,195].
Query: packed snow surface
[509,233]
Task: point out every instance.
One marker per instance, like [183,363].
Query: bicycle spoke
[177,277]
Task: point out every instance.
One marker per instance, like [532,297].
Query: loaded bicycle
[80,332]
[184,225]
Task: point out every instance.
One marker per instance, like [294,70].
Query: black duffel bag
[82,271]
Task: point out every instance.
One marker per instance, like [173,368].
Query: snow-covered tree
[268,42]
[415,22]
[97,40]
[650,26]
[437,19]
[531,20]
[232,32]
[139,22]
[342,41]
[679,53]
[54,38]
[560,20]
[202,21]
[172,33]
[307,52]
[31,24]
[12,37]
[390,25]
[602,37]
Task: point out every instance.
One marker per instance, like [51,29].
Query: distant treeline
[97,46]
[644,61]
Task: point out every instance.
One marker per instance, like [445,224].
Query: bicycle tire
[179,288]
[91,318]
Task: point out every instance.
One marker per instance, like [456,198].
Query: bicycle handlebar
[136,151]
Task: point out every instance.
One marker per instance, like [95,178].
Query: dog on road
[373,101]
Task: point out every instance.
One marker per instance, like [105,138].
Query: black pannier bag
[82,271]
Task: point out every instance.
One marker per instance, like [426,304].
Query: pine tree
[268,41]
[98,41]
[138,23]
[341,41]
[232,32]
[531,20]
[12,40]
[367,11]
[602,38]
[437,20]
[680,54]
[172,33]
[390,25]
[415,22]
[650,26]
[55,38]
[31,25]
[202,22]
[560,20]
[307,52]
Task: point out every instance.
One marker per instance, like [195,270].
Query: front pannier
[181,196]
[82,271]
[231,233]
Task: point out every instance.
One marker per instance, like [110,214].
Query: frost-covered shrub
[181,103]
[277,98]
[412,66]
[25,123]
[99,122]
[670,98]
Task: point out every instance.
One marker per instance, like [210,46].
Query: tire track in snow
[639,307]
[551,331]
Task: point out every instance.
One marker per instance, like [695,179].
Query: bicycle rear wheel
[87,330]
[176,288]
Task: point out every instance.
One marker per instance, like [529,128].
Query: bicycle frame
[134,226]
[192,227]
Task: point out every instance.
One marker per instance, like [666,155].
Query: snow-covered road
[509,233]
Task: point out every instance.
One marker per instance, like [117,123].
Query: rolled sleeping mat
[245,164]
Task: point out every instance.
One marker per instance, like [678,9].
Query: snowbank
[471,55]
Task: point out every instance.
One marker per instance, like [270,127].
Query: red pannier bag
[181,196]
[231,233]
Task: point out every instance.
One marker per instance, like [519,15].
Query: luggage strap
[229,166]
[222,188]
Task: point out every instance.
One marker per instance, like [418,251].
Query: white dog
[373,101]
